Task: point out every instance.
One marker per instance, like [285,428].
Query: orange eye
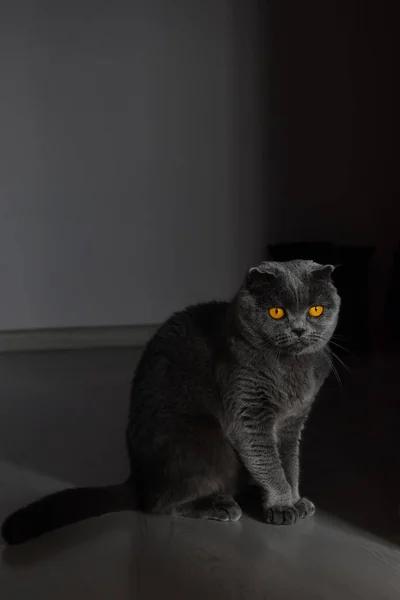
[316,311]
[276,313]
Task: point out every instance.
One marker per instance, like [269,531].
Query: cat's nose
[298,331]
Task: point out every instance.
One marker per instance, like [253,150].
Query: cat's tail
[64,508]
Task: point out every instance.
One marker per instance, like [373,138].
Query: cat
[220,396]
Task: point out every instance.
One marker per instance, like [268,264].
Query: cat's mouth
[300,346]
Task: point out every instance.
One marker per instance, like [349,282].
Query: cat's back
[197,329]
[178,363]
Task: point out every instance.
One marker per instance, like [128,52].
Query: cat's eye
[316,311]
[276,312]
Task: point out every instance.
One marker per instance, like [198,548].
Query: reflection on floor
[62,418]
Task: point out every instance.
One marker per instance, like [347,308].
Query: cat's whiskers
[332,366]
[338,359]
[331,341]
[328,342]
[342,338]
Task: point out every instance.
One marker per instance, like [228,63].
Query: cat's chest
[295,388]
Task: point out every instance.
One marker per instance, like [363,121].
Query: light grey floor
[62,419]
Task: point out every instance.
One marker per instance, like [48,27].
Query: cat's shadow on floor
[250,501]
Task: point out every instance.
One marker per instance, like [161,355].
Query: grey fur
[220,396]
[224,385]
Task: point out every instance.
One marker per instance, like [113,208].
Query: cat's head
[291,306]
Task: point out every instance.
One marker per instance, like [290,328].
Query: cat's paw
[216,507]
[226,511]
[280,515]
[305,508]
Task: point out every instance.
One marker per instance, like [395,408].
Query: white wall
[129,158]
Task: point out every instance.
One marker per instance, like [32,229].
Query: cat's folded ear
[259,276]
[324,271]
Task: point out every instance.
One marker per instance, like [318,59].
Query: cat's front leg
[258,449]
[289,435]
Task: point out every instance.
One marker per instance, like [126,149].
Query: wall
[331,121]
[130,180]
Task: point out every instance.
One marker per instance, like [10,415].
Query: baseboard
[75,338]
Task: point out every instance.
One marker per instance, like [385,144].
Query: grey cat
[219,398]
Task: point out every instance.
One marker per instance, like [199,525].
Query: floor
[62,419]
